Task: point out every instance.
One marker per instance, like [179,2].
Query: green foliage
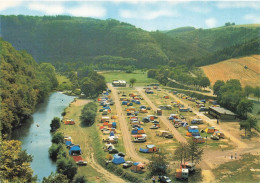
[80,179]
[55,124]
[216,88]
[23,85]
[92,83]
[55,178]
[204,82]
[248,90]
[194,151]
[244,107]
[151,73]
[54,151]
[67,167]
[257,92]
[88,114]
[15,163]
[132,81]
[248,124]
[231,96]
[158,165]
[188,152]
[57,138]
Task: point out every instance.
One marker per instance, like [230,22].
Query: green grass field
[141,77]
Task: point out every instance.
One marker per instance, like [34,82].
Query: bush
[67,167]
[55,178]
[80,179]
[54,150]
[55,124]
[63,113]
[88,114]
[57,138]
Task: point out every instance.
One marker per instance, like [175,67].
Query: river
[35,134]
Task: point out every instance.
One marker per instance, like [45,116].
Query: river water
[35,134]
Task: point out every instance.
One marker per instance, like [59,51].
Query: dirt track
[172,129]
[129,147]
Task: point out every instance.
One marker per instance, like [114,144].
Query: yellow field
[235,69]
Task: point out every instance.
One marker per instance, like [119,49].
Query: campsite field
[244,170]
[140,76]
[245,69]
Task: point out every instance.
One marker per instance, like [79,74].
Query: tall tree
[132,81]
[244,107]
[248,124]
[248,90]
[216,88]
[195,152]
[204,82]
[158,165]
[67,166]
[181,152]
[15,163]
[257,92]
[55,124]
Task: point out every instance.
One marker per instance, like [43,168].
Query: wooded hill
[84,41]
[24,83]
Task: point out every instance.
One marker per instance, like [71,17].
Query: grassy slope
[234,69]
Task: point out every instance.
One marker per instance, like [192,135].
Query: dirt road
[129,147]
[163,119]
[104,175]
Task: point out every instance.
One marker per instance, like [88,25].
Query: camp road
[127,140]
[172,129]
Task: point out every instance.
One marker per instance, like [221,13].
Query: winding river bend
[35,135]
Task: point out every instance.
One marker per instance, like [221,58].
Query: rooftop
[222,110]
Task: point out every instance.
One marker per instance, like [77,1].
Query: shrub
[57,138]
[54,150]
[67,167]
[55,124]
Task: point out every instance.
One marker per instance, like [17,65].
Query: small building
[221,113]
[119,83]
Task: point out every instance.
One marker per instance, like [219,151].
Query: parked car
[127,164]
[113,151]
[169,136]
[121,154]
[164,179]
[154,127]
[213,137]
[81,163]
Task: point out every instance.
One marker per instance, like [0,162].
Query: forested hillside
[68,39]
[110,44]
[24,83]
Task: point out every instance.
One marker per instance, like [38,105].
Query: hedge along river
[35,134]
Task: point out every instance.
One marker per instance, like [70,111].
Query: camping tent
[75,150]
[118,159]
[210,130]
[68,143]
[114,124]
[137,167]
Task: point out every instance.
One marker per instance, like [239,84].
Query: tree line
[111,44]
[167,75]
[24,84]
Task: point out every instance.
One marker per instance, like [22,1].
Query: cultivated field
[245,69]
